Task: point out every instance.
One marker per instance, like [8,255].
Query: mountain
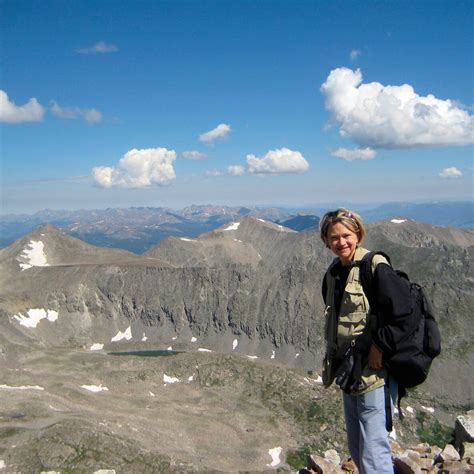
[301,222]
[202,354]
[138,229]
[250,279]
[452,214]
[134,229]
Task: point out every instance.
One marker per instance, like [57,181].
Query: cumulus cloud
[89,115]
[450,173]
[99,48]
[221,131]
[278,161]
[354,154]
[378,116]
[194,155]
[355,53]
[236,170]
[32,111]
[138,169]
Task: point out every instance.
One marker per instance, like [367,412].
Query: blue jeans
[367,435]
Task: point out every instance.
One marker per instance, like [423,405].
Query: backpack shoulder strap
[366,275]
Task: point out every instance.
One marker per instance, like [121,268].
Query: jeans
[367,435]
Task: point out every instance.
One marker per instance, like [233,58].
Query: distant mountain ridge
[139,229]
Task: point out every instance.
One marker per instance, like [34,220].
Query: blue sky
[153,103]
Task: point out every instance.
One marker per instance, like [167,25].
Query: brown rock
[457,467]
[426,464]
[349,465]
[467,450]
[321,466]
[422,448]
[406,465]
[449,453]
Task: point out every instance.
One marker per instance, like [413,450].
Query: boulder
[331,456]
[464,429]
[406,465]
[449,453]
[322,466]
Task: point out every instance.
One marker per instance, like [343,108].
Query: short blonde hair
[347,218]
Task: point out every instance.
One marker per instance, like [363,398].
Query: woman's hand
[375,357]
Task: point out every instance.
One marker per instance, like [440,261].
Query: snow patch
[410,410]
[151,394]
[201,349]
[191,378]
[22,387]
[393,434]
[237,240]
[35,316]
[428,409]
[33,255]
[2,464]
[233,226]
[297,355]
[108,471]
[261,220]
[275,455]
[398,221]
[174,338]
[144,338]
[123,335]
[235,343]
[319,379]
[193,339]
[273,355]
[184,239]
[252,357]
[96,347]
[169,348]
[95,388]
[167,379]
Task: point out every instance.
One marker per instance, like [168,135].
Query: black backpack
[421,343]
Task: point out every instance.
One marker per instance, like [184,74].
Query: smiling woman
[353,357]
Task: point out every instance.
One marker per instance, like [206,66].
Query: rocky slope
[251,281]
[248,291]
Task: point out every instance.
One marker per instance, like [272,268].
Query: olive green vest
[354,318]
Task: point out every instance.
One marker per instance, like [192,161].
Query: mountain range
[250,281]
[140,229]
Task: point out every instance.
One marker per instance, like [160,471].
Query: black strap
[366,276]
[388,408]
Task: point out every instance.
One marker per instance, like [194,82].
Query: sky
[114,103]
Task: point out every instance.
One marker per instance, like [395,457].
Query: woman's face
[343,242]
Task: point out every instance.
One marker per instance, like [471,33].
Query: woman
[355,333]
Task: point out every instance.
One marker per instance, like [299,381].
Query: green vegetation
[298,458]
[431,431]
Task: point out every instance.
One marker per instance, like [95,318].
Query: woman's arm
[394,307]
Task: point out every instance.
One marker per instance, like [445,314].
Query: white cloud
[138,169]
[378,116]
[221,131]
[194,155]
[450,173]
[236,170]
[32,111]
[278,161]
[89,115]
[354,154]
[99,48]
[213,173]
[355,53]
